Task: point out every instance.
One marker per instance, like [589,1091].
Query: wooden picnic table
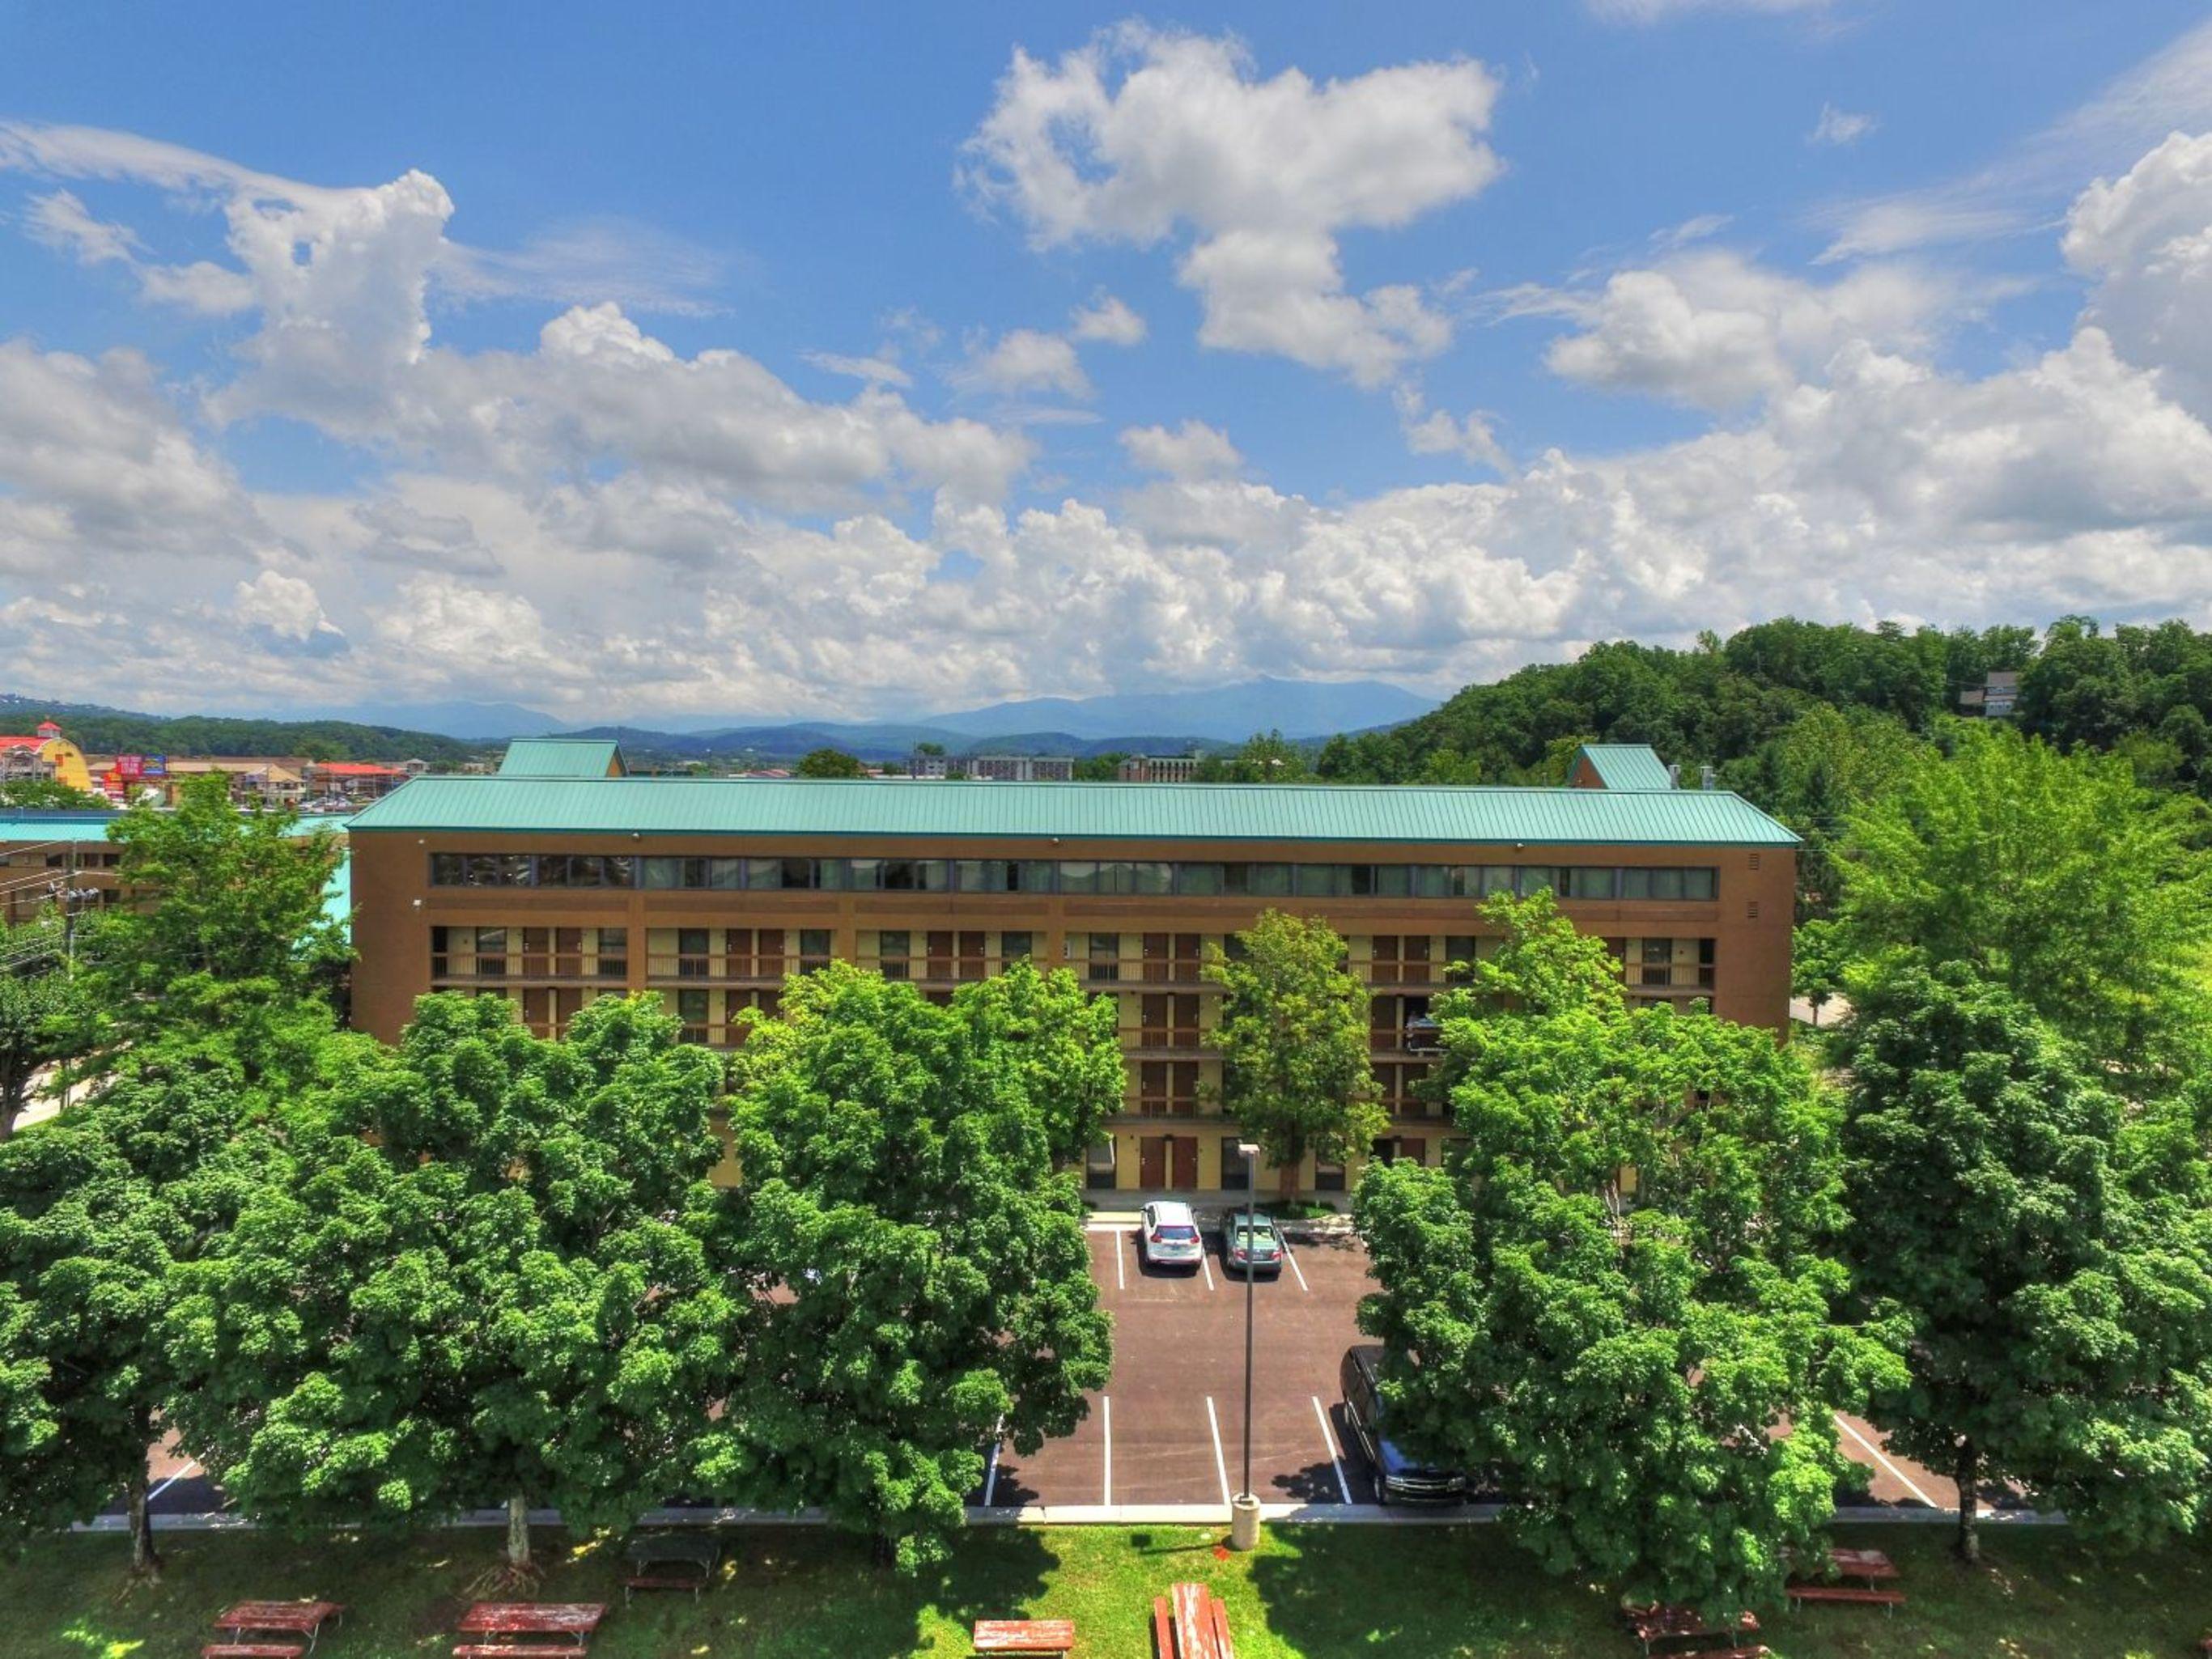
[1030,1636]
[1870,1564]
[505,1621]
[290,1618]
[1190,1623]
[670,1560]
[1662,1623]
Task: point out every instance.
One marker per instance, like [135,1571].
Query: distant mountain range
[1135,720]
[1174,722]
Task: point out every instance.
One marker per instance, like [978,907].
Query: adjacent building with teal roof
[562,758]
[1619,766]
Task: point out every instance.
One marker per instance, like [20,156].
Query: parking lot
[1168,1428]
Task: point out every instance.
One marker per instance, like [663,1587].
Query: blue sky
[426,352]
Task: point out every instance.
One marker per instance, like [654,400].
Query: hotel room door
[1185,1148]
[1152,1163]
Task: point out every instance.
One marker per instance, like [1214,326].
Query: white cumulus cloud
[1143,135]
[1193,450]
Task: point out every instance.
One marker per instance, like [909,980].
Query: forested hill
[2143,690]
[99,730]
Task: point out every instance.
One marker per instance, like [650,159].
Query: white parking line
[1106,1417]
[185,1473]
[1119,1283]
[1291,1256]
[1876,1451]
[1206,1267]
[1220,1463]
[1336,1456]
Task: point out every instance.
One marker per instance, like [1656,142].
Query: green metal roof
[1075,811]
[89,825]
[560,757]
[1627,765]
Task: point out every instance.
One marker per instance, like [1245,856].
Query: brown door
[1152,1163]
[1186,1162]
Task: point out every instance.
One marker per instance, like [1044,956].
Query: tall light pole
[1244,1507]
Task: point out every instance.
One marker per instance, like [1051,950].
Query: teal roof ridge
[892,808]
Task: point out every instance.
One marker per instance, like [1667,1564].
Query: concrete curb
[1094,1514]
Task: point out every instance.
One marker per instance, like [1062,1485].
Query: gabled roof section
[562,758]
[1625,765]
[886,809]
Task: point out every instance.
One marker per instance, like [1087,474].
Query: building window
[1328,1177]
[894,954]
[1586,883]
[813,949]
[1015,947]
[1104,961]
[1099,1167]
[1236,1173]
[691,960]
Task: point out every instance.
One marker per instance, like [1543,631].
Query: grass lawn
[1321,1592]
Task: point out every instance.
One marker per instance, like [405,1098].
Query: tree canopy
[1294,1045]
[483,1282]
[98,1210]
[2047,1251]
[224,932]
[2056,875]
[920,1278]
[1615,1297]
[37,998]
[828,764]
[1063,1044]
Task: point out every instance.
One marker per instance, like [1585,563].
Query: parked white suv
[1169,1236]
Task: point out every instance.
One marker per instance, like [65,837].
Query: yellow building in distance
[46,755]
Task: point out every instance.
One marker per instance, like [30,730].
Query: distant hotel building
[1159,768]
[552,889]
[1022,768]
[995,768]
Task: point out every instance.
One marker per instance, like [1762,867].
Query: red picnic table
[241,1623]
[509,1627]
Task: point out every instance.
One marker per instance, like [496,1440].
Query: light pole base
[1243,1521]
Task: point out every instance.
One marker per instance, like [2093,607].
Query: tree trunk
[1968,1474]
[144,1562]
[1286,1180]
[518,1532]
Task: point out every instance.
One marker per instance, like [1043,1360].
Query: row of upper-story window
[1140,878]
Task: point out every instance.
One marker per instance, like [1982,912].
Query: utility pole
[1244,1507]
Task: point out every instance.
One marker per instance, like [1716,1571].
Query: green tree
[2050,1261]
[37,995]
[97,1212]
[1818,957]
[1266,757]
[1824,766]
[922,1281]
[2052,874]
[484,1281]
[1294,1042]
[1063,1044]
[1616,1299]
[47,795]
[225,933]
[829,763]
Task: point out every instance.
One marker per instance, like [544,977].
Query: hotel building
[551,891]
